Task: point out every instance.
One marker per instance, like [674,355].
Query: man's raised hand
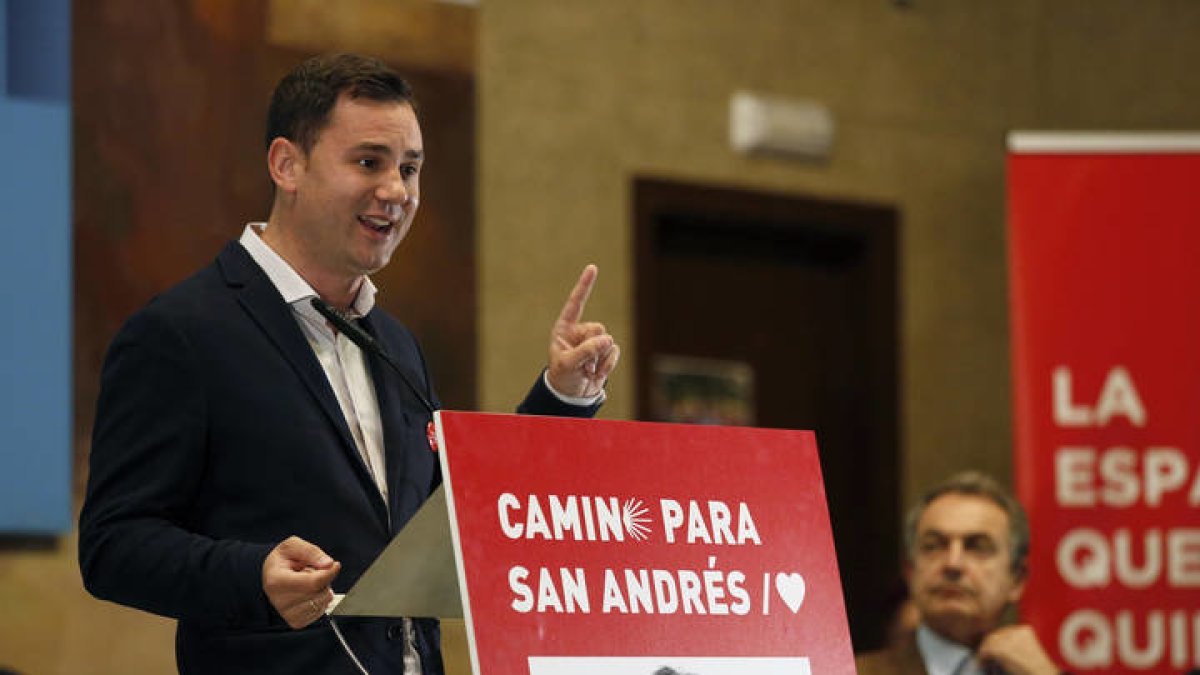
[582,353]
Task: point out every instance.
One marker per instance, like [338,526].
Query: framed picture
[692,390]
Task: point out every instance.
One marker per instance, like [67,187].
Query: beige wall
[51,626]
[577,98]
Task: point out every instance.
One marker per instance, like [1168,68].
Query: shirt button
[395,631]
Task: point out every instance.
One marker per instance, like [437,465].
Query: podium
[590,547]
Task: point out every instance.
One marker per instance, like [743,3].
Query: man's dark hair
[304,99]
[976,484]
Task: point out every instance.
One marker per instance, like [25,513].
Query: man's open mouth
[377,223]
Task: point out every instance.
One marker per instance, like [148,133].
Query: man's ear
[1018,587]
[285,163]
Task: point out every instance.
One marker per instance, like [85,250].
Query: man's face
[961,569]
[357,189]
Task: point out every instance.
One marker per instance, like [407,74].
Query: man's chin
[371,265]
[952,609]
[955,624]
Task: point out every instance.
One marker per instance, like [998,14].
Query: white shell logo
[633,516]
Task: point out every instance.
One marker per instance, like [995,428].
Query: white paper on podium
[416,574]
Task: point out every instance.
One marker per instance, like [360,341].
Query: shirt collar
[941,656]
[294,289]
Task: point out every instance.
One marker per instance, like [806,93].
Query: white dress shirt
[347,372]
[344,367]
[944,657]
[341,359]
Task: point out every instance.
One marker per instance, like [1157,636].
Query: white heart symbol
[791,588]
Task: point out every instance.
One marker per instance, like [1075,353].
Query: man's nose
[954,556]
[392,188]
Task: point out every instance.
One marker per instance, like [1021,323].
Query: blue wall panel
[35,268]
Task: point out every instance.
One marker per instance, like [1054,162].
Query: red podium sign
[597,548]
[1105,271]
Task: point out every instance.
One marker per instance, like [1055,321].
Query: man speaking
[248,460]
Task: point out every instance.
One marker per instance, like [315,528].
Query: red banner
[598,548]
[1105,271]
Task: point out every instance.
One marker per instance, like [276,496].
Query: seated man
[967,541]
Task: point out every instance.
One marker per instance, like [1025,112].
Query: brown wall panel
[169,107]
[170,103]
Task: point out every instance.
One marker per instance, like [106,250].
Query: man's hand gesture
[582,353]
[1017,651]
[296,577]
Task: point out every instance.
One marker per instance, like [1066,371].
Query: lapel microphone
[368,344]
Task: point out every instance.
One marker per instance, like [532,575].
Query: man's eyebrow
[384,149]
[373,147]
[966,534]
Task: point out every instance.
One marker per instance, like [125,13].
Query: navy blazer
[217,436]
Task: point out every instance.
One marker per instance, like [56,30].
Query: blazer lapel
[259,297]
[392,415]
[909,654]
[405,419]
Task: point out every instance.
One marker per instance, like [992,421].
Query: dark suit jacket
[217,436]
[900,659]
